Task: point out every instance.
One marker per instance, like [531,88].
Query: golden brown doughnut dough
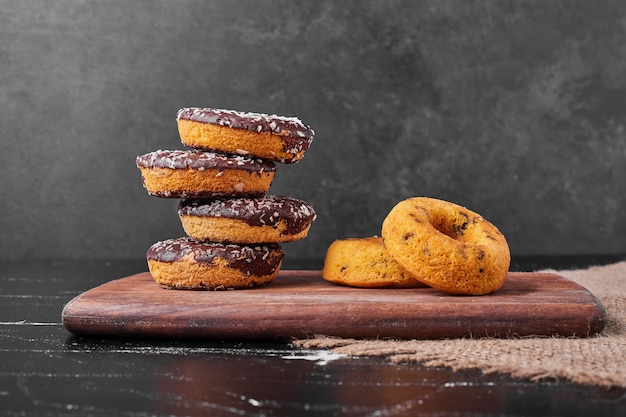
[446,246]
[271,137]
[364,262]
[195,174]
[186,264]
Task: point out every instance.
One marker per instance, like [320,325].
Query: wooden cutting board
[300,304]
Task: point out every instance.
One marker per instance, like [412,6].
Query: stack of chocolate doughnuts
[234,229]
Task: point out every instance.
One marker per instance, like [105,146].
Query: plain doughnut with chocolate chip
[447,246]
[365,263]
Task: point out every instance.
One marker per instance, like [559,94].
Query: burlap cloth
[597,360]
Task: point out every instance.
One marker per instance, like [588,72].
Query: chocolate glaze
[265,211]
[202,160]
[296,135]
[257,260]
[256,122]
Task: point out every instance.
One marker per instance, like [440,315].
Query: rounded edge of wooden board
[75,323]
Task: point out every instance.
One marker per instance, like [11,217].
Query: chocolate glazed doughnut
[195,174]
[247,220]
[186,264]
[271,137]
[446,246]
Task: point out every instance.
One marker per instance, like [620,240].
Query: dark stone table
[47,371]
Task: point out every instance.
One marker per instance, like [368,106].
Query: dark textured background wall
[514,109]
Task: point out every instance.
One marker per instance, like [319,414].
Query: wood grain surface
[301,304]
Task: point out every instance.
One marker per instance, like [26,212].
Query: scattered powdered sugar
[321,357]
